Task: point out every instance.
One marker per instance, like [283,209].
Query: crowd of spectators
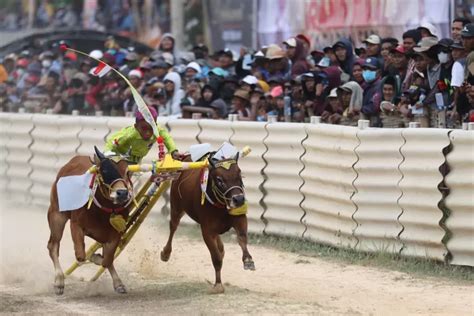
[389,81]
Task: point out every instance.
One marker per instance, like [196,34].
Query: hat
[276,92]
[274,79]
[399,49]
[468,30]
[338,44]
[430,27]
[226,52]
[373,39]
[372,63]
[324,62]
[327,49]
[131,56]
[445,42]
[250,80]
[135,73]
[46,54]
[425,44]
[304,38]
[34,68]
[259,54]
[218,71]
[360,50]
[274,52]
[291,42]
[160,63]
[194,65]
[139,115]
[457,45]
[307,75]
[242,94]
[333,93]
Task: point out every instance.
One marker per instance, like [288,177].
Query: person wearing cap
[299,64]
[278,66]
[241,105]
[226,61]
[343,50]
[290,47]
[399,61]
[373,45]
[249,83]
[458,53]
[159,69]
[457,26]
[306,41]
[332,114]
[371,71]
[428,48]
[357,72]
[427,29]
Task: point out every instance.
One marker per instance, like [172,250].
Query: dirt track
[283,283]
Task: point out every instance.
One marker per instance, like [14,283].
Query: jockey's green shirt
[129,139]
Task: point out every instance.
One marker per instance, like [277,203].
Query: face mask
[46,63]
[443,57]
[369,75]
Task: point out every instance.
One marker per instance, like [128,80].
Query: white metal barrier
[282,196]
[377,191]
[460,200]
[19,155]
[44,159]
[332,184]
[328,176]
[251,134]
[423,152]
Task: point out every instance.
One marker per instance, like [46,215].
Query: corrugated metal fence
[405,191]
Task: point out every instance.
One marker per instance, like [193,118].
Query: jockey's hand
[176,155]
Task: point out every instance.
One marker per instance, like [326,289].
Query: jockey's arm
[168,140]
[119,142]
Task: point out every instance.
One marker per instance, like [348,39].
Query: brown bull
[112,196]
[225,192]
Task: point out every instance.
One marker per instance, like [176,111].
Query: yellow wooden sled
[146,198]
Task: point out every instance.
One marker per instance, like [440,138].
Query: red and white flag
[101,70]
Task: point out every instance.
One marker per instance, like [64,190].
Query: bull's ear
[99,154]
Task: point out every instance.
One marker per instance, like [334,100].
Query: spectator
[174,94]
[351,98]
[299,65]
[457,26]
[427,29]
[371,71]
[344,55]
[241,105]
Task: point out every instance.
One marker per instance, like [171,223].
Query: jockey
[137,140]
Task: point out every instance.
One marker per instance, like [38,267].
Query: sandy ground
[284,283]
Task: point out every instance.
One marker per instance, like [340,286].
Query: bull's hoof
[121,289]
[59,289]
[249,264]
[164,256]
[217,289]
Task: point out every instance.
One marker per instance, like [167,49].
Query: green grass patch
[414,266]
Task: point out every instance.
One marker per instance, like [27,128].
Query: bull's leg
[211,242]
[78,239]
[176,216]
[240,226]
[56,221]
[108,262]
[220,246]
